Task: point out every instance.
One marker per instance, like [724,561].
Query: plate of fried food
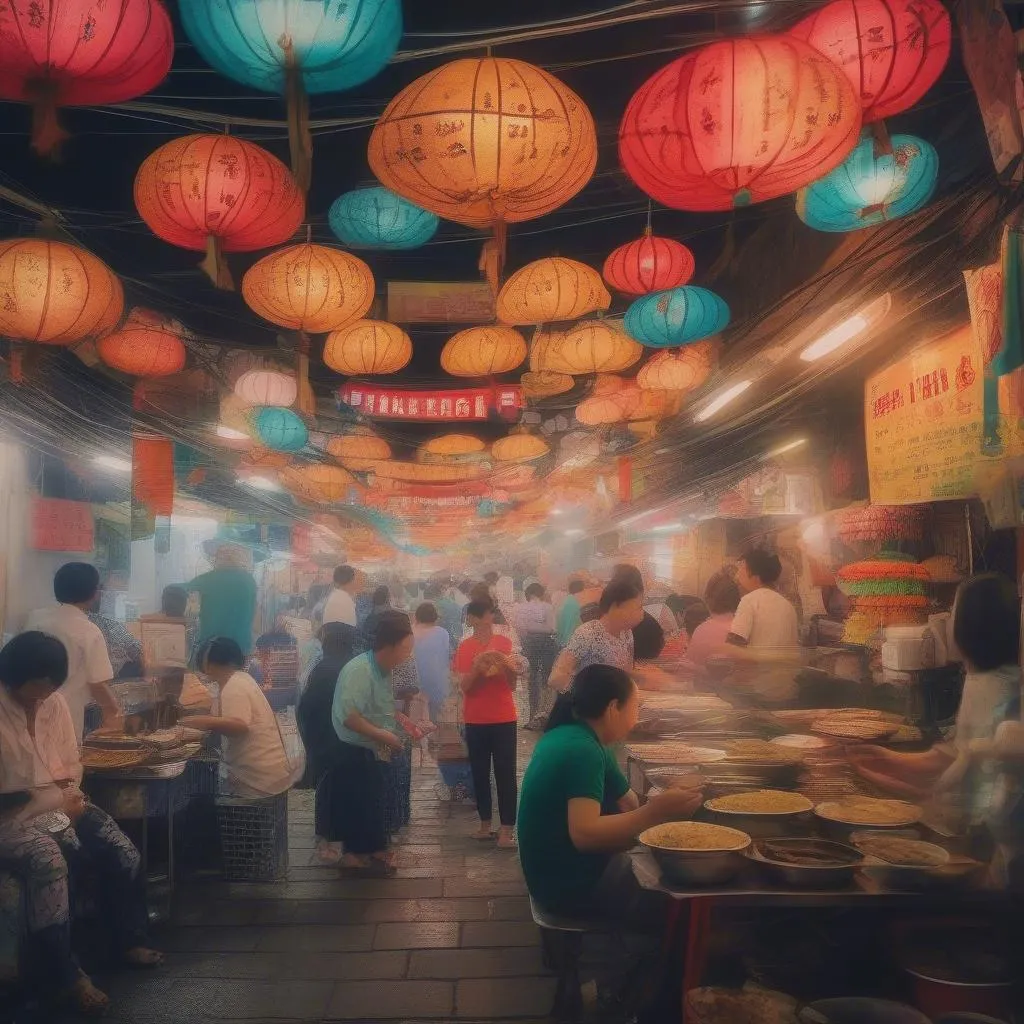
[869,812]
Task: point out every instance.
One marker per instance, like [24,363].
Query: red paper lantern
[650,264]
[738,122]
[63,53]
[148,345]
[892,51]
[217,193]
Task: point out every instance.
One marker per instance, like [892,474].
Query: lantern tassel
[215,267]
[492,256]
[47,134]
[300,142]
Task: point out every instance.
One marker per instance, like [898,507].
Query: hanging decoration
[540,384]
[319,484]
[80,53]
[293,48]
[153,474]
[519,447]
[483,351]
[309,288]
[217,194]
[594,346]
[599,410]
[368,346]
[452,445]
[449,404]
[892,51]
[485,142]
[427,472]
[738,122]
[147,345]
[649,264]
[551,289]
[870,186]
[377,218]
[279,429]
[267,387]
[682,371]
[676,317]
[359,449]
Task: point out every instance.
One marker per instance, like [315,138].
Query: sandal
[141,956]
[87,999]
[506,840]
[484,834]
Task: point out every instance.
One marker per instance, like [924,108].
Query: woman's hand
[74,802]
[389,739]
[673,804]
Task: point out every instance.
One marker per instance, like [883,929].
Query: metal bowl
[700,867]
[808,876]
[902,876]
[760,824]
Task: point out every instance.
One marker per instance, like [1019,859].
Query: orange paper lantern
[551,289]
[599,410]
[359,450]
[318,483]
[545,384]
[519,448]
[313,288]
[594,346]
[148,345]
[482,351]
[453,444]
[681,370]
[738,122]
[607,384]
[366,347]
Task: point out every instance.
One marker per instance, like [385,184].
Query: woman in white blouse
[40,771]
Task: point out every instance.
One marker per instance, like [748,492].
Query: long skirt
[353,795]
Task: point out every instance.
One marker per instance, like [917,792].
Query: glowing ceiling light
[558,512]
[782,449]
[722,399]
[667,528]
[835,338]
[113,463]
[574,533]
[261,483]
[230,434]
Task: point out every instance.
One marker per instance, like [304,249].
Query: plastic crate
[253,837]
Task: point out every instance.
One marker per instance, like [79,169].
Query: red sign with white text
[463,404]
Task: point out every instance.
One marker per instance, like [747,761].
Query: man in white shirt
[764,619]
[75,586]
[341,605]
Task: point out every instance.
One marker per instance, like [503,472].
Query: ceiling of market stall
[785,283]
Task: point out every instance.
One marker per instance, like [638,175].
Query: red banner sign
[465,404]
[62,525]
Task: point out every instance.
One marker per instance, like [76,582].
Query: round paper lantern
[453,444]
[318,483]
[309,287]
[738,122]
[867,189]
[482,351]
[485,140]
[599,410]
[368,346]
[147,345]
[676,317]
[53,293]
[649,264]
[267,387]
[607,384]
[279,429]
[377,218]
[594,346]
[80,53]
[684,370]
[519,448]
[217,193]
[892,51]
[551,289]
[545,384]
[359,450]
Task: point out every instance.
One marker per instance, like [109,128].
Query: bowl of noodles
[696,853]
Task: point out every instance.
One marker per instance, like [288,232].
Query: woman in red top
[487,677]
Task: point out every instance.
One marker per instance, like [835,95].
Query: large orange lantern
[217,194]
[594,346]
[650,264]
[738,122]
[313,288]
[359,450]
[367,347]
[683,369]
[519,448]
[318,483]
[485,142]
[551,289]
[147,345]
[892,51]
[482,351]
[453,444]
[267,387]
[598,410]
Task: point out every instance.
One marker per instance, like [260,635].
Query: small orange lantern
[359,450]
[594,346]
[682,370]
[482,351]
[453,444]
[318,483]
[519,447]
[148,345]
[551,289]
[367,347]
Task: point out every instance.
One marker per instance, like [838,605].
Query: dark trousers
[357,783]
[540,650]
[497,744]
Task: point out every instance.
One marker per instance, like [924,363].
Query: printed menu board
[924,420]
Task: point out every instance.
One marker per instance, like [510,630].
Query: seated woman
[254,753]
[40,771]
[573,854]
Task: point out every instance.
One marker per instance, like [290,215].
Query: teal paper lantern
[377,218]
[868,188]
[280,429]
[676,317]
[334,44]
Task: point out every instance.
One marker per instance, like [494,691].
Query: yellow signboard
[447,302]
[927,437]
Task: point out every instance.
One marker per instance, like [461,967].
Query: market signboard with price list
[926,431]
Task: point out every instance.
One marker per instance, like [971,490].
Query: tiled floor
[448,938]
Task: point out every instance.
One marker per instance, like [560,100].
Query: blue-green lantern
[331,44]
[676,317]
[280,429]
[870,187]
[377,218]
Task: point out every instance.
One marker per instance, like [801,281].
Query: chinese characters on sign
[924,423]
[465,404]
[62,525]
[450,302]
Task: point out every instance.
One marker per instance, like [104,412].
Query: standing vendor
[227,595]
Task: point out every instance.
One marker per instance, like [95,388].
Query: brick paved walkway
[448,938]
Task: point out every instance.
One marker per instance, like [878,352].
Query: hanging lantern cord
[649,206]
[300,142]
